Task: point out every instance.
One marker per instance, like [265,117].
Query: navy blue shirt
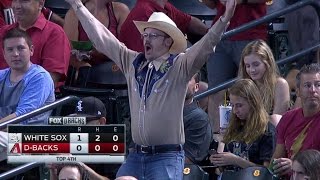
[257,152]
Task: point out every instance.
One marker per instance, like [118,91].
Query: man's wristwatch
[222,19]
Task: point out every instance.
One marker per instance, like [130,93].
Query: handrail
[257,22]
[18,170]
[297,55]
[41,110]
[23,168]
[215,89]
[279,62]
[272,16]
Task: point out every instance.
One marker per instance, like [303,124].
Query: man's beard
[189,95]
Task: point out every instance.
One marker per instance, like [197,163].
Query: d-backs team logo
[16,148]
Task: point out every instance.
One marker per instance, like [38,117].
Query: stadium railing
[26,167]
[260,21]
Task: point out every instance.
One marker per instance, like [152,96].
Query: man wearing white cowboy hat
[157,83]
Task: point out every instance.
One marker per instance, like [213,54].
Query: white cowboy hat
[162,22]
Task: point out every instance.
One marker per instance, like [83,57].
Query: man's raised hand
[230,8]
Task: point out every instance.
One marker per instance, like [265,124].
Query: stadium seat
[105,75]
[193,171]
[194,8]
[59,7]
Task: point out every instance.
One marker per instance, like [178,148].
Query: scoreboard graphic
[88,144]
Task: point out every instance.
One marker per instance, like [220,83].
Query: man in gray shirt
[157,83]
[197,128]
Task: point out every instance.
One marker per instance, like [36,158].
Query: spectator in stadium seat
[79,171]
[257,63]
[7,16]
[224,63]
[197,128]
[95,112]
[93,109]
[70,171]
[143,9]
[51,45]
[298,129]
[306,166]
[157,80]
[74,171]
[110,14]
[250,137]
[24,86]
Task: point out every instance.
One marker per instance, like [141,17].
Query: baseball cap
[91,107]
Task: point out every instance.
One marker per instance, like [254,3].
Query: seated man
[79,171]
[24,86]
[71,171]
[95,112]
[197,128]
[93,109]
[298,128]
[51,45]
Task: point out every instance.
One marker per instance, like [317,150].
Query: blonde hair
[269,79]
[256,123]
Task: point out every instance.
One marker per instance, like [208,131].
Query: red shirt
[292,124]
[113,25]
[6,13]
[245,13]
[51,46]
[143,9]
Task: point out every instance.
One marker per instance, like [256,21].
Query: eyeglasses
[152,36]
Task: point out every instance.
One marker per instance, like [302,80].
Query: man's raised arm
[198,54]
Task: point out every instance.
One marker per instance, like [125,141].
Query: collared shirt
[51,46]
[6,13]
[157,118]
[143,9]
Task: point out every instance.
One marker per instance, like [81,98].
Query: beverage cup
[224,114]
